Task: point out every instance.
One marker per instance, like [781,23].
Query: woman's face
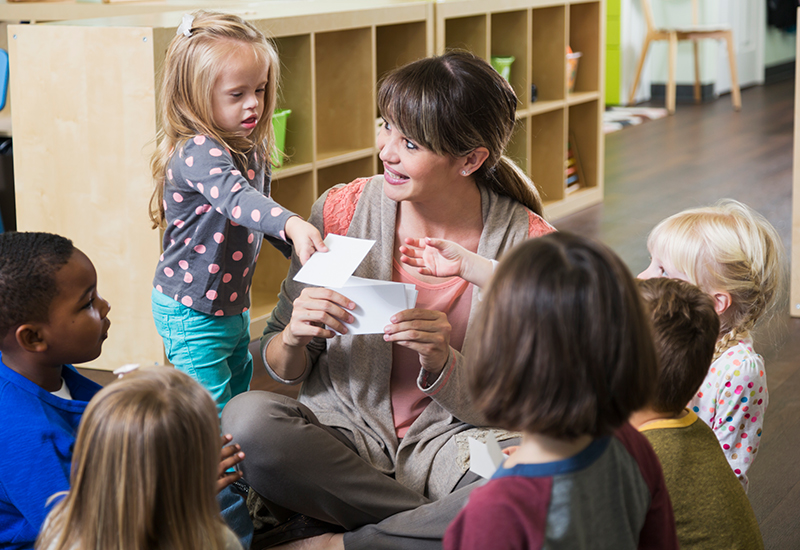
[412,172]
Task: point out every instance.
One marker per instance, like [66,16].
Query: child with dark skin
[51,316]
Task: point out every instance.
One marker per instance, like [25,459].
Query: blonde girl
[734,254]
[144,470]
[212,174]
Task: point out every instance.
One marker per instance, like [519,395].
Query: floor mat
[617,118]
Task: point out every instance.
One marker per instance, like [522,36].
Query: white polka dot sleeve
[732,400]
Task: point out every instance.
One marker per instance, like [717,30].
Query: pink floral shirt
[732,401]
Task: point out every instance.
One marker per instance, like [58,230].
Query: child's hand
[305,238]
[229,456]
[442,258]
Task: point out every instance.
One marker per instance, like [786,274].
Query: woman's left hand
[425,331]
[229,456]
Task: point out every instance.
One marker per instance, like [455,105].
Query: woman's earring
[464,173]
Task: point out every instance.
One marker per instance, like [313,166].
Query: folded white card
[333,268]
[376,302]
[485,458]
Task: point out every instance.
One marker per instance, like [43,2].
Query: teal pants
[212,350]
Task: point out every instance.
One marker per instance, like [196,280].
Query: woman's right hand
[317,312]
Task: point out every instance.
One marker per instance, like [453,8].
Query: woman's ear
[30,338]
[473,161]
[722,301]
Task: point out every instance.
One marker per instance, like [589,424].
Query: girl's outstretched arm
[442,258]
[305,238]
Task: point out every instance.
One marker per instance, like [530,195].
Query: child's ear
[31,338]
[722,301]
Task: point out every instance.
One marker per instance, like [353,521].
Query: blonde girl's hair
[726,247]
[144,469]
[191,68]
[454,103]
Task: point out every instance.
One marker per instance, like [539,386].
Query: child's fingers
[319,244]
[228,479]
[230,462]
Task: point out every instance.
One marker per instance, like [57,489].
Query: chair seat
[696,29]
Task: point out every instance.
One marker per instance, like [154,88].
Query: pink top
[449,297]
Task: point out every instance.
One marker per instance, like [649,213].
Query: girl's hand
[229,456]
[442,258]
[425,331]
[317,312]
[305,238]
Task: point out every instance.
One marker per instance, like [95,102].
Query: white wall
[779,47]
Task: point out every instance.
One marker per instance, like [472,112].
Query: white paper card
[485,458]
[333,268]
[376,302]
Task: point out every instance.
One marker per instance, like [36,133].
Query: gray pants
[300,465]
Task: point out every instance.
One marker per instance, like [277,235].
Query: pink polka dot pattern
[234,224]
[214,192]
[177,197]
[215,152]
[236,187]
[189,161]
[169,272]
[219,313]
[183,264]
[251,175]
[216,170]
[275,212]
[213,268]
[199,140]
[200,249]
[256,215]
[211,295]
[233,297]
[169,173]
[190,184]
[164,204]
[236,173]
[251,238]
[245,272]
[237,212]
[178,223]
[282,234]
[159,288]
[237,256]
[186,241]
[227,278]
[219,237]
[730,401]
[187,278]
[187,301]
[200,187]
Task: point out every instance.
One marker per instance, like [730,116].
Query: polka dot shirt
[732,400]
[216,217]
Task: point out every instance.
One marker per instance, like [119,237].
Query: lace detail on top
[340,205]
[537,226]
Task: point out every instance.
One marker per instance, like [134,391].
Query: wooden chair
[695,33]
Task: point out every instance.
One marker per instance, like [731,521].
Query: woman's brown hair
[454,103]
[566,348]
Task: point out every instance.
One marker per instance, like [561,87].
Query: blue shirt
[39,432]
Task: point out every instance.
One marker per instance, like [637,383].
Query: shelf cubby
[343,62]
[548,53]
[518,147]
[548,151]
[397,45]
[584,36]
[510,37]
[295,93]
[467,33]
[583,128]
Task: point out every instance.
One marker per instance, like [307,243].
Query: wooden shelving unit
[537,34]
[81,153]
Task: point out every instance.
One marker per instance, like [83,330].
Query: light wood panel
[795,286]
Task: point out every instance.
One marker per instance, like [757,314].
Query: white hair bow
[185,28]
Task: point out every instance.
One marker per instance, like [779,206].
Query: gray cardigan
[347,378]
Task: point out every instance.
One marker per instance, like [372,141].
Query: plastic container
[279,119]
[502,64]
[572,68]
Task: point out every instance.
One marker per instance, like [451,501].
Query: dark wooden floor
[703,153]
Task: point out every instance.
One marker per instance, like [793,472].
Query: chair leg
[695,45]
[671,84]
[736,95]
[645,47]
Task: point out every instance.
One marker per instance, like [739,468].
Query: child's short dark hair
[28,264]
[566,348]
[685,330]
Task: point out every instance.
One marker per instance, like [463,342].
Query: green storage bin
[502,64]
[279,119]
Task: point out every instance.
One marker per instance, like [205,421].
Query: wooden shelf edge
[540,107]
[341,158]
[258,319]
[577,98]
[292,170]
[574,202]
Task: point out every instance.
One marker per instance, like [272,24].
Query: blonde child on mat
[735,255]
[145,470]
[568,377]
[212,196]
